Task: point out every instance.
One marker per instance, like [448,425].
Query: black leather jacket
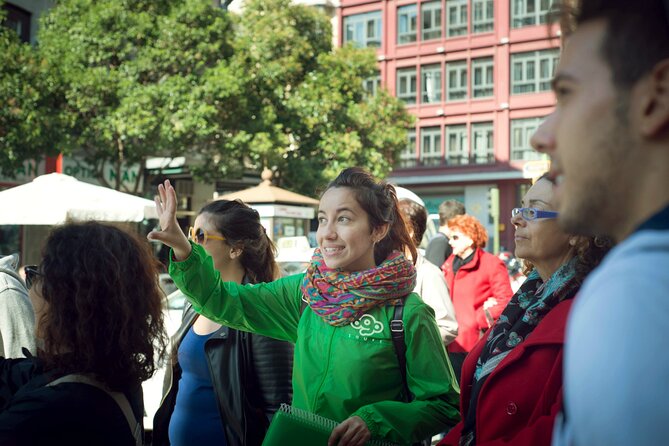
[251,375]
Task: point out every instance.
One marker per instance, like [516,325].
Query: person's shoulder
[9,277]
[437,238]
[635,260]
[647,244]
[293,281]
[62,409]
[630,282]
[9,262]
[415,306]
[425,267]
[488,258]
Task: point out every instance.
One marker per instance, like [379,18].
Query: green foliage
[128,79]
[27,124]
[133,74]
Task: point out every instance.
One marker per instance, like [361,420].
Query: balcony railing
[451,161]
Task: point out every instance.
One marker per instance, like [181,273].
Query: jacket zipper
[327,369]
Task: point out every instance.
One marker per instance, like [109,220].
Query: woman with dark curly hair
[512,379]
[99,326]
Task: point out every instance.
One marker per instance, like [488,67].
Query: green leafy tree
[308,113]
[173,77]
[28,126]
[131,77]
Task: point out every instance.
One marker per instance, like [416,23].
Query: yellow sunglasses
[200,236]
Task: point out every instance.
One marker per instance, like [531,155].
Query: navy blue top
[658,222]
[196,418]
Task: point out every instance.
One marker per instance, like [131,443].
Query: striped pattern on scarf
[343,297]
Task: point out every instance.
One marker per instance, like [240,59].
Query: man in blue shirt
[608,139]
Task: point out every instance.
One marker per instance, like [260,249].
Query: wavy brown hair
[416,218]
[104,314]
[379,201]
[241,227]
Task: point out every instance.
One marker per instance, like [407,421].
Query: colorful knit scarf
[342,297]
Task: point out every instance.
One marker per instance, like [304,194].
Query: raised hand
[170,233]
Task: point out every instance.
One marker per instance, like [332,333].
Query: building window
[533,71]
[408,154]
[406,85]
[457,17]
[521,132]
[430,78]
[430,146]
[431,20]
[363,29]
[407,22]
[482,80]
[529,12]
[456,145]
[17,19]
[482,143]
[457,80]
[372,84]
[482,16]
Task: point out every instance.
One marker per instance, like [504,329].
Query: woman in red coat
[511,386]
[478,282]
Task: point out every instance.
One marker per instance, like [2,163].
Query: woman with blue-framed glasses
[532,213]
[520,357]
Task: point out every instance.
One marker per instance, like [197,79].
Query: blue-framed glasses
[532,213]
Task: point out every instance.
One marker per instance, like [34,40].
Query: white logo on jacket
[367,325]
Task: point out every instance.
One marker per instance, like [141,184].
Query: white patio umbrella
[53,198]
[403,192]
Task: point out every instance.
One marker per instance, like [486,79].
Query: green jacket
[339,371]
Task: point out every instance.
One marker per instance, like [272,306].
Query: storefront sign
[282,210]
[85,172]
[26,173]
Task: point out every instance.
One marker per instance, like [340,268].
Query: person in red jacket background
[478,282]
[512,378]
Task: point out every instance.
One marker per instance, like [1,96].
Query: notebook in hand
[297,427]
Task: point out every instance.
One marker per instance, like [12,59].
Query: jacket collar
[474,263]
[658,222]
[551,330]
[8,265]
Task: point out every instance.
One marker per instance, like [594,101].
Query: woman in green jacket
[346,367]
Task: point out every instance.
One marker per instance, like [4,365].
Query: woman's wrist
[182,251]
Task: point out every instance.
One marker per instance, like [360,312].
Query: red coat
[484,277]
[520,399]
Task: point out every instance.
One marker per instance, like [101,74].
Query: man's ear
[654,101]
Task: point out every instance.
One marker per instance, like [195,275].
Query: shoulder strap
[119,397]
[397,333]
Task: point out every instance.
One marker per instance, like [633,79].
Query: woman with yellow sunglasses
[224,385]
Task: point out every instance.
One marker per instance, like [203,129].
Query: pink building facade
[476,74]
